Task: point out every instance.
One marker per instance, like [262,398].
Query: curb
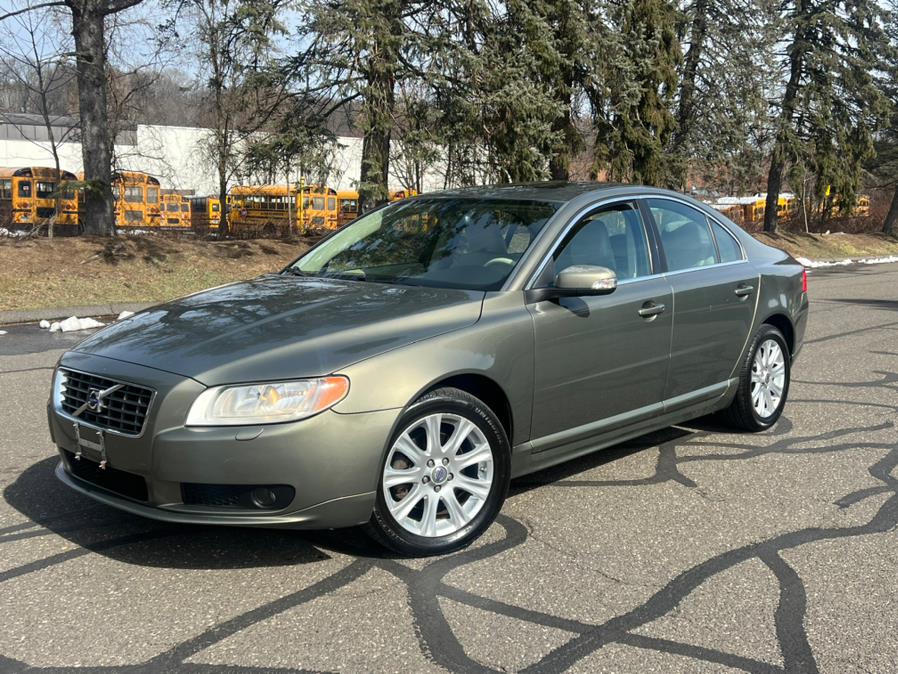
[35,315]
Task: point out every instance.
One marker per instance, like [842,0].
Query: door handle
[744,290]
[650,309]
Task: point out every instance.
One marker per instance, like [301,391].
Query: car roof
[555,190]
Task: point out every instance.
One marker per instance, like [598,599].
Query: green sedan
[401,372]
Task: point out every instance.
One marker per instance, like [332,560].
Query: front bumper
[332,460]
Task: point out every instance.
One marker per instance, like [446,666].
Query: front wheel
[444,477]
[763,382]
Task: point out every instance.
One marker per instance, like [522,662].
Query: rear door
[715,291]
[600,357]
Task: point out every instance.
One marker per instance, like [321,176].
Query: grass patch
[41,273]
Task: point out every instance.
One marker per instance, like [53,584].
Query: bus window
[5,189]
[185,208]
[133,217]
[171,207]
[216,207]
[152,195]
[25,189]
[331,203]
[45,190]
[318,203]
[134,195]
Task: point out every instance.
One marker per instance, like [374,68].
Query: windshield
[449,242]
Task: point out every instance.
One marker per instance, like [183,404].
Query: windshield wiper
[296,271]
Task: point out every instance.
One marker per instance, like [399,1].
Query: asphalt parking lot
[689,550]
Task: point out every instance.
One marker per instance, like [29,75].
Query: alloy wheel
[438,475]
[768,378]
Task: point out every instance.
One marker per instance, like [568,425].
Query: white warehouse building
[173,154]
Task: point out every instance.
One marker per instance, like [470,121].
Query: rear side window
[685,235]
[726,244]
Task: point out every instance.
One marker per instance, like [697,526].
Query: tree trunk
[96,145]
[560,161]
[888,226]
[379,99]
[686,107]
[224,217]
[797,53]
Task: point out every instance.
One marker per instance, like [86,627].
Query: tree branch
[24,10]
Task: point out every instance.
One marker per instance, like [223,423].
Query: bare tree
[243,88]
[36,58]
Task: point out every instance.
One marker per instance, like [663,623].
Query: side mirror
[587,280]
[577,281]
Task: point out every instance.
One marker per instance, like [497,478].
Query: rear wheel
[763,382]
[444,477]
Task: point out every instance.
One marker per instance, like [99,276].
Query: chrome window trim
[608,201]
[57,402]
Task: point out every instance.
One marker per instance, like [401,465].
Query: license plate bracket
[92,439]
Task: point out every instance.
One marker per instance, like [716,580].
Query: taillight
[804,280]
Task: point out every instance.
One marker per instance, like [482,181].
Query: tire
[450,504]
[744,413]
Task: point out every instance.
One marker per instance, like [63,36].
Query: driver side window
[612,237]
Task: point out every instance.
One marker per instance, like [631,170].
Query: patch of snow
[13,233]
[74,323]
[879,260]
[125,314]
[813,264]
[3,332]
[44,324]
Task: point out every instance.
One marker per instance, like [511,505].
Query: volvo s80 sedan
[403,370]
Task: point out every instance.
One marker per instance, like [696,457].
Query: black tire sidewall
[765,333]
[447,401]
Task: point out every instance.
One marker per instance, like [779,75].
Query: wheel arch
[784,324]
[482,387]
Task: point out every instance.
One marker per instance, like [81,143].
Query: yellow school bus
[347,206]
[205,214]
[28,197]
[399,195]
[319,207]
[137,200]
[273,210]
[175,211]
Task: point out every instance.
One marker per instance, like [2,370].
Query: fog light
[263,497]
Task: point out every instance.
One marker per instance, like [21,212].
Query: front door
[600,357]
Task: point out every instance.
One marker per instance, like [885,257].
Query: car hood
[282,327]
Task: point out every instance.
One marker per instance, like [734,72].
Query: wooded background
[726,96]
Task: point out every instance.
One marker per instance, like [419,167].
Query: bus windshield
[451,242]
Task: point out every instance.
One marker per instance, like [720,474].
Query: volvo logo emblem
[439,475]
[94,401]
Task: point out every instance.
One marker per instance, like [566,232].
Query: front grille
[111,479]
[123,410]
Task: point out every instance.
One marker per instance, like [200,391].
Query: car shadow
[51,507]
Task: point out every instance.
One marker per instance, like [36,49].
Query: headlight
[270,403]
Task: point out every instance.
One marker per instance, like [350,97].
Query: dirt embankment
[834,246]
[40,273]
[72,271]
